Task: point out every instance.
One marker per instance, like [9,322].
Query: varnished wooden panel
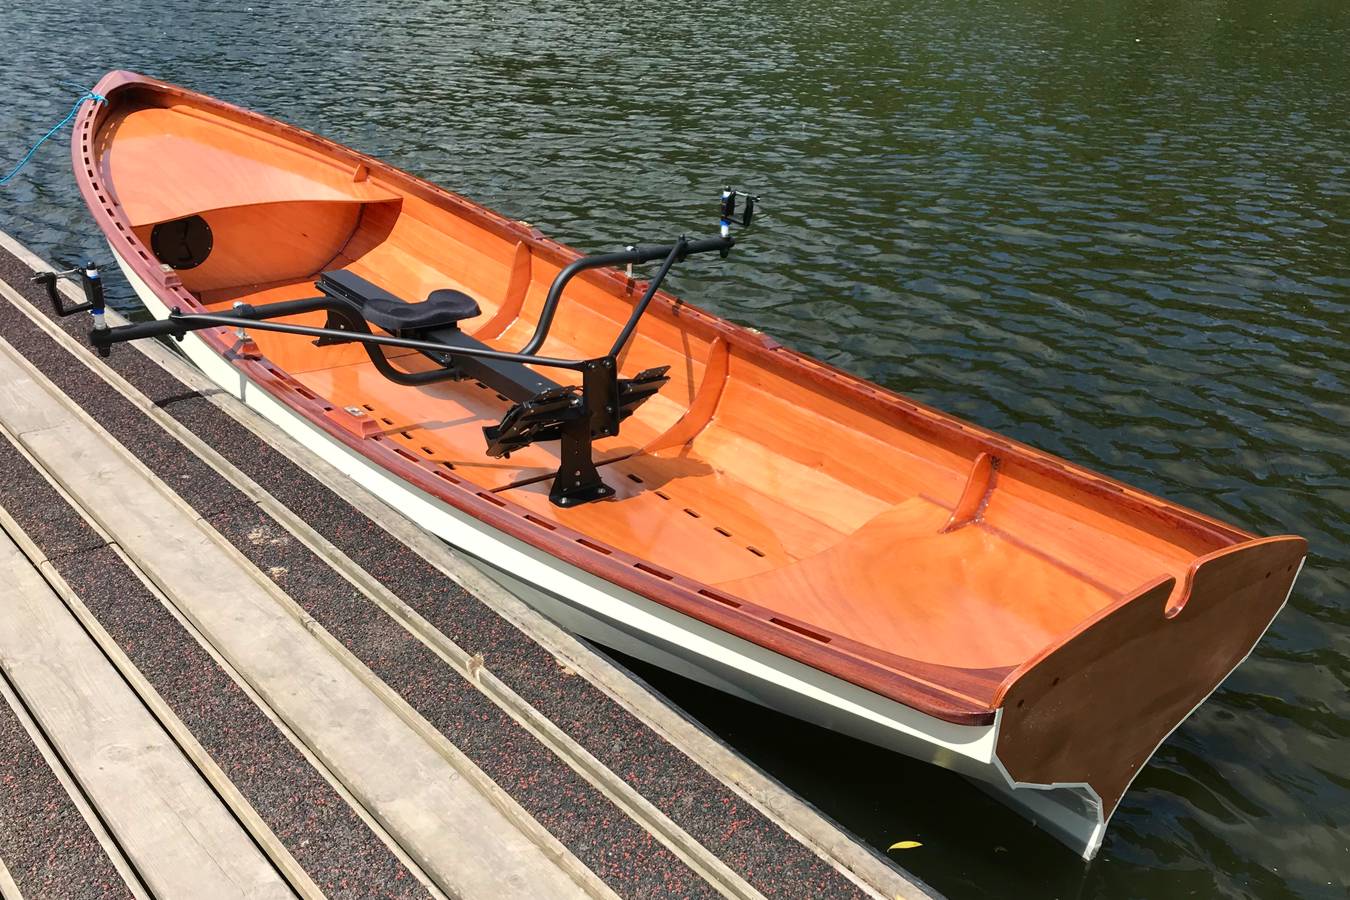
[797,487]
[268,242]
[170,163]
[963,598]
[1093,707]
[779,493]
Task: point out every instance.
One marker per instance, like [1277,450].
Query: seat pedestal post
[578,481]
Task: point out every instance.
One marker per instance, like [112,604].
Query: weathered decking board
[166,818]
[292,808]
[51,842]
[478,678]
[442,819]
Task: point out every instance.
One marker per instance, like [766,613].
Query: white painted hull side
[615,617]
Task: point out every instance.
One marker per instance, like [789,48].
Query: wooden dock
[226,670]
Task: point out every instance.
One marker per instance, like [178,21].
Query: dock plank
[463,841]
[316,835]
[176,832]
[16,392]
[51,843]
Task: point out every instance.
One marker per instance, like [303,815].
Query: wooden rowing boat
[748,516]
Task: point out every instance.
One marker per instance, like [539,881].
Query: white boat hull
[615,617]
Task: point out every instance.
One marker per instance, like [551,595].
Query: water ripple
[1119,233]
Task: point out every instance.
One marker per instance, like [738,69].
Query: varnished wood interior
[849,515]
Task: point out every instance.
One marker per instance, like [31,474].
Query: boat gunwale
[839,656]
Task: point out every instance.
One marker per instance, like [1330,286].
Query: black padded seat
[441,309]
[436,319]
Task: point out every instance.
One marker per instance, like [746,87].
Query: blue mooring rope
[87,95]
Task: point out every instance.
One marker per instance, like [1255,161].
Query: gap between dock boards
[761,860]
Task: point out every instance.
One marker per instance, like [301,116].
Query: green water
[1119,231]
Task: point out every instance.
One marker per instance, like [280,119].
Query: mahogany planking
[784,471]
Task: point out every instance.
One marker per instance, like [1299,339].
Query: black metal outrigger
[543,410]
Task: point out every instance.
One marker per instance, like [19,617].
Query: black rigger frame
[573,416]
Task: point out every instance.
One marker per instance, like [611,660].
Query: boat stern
[1087,713]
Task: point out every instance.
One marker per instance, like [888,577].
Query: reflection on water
[1118,233]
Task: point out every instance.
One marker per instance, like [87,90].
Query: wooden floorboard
[314,832]
[182,840]
[467,844]
[52,842]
